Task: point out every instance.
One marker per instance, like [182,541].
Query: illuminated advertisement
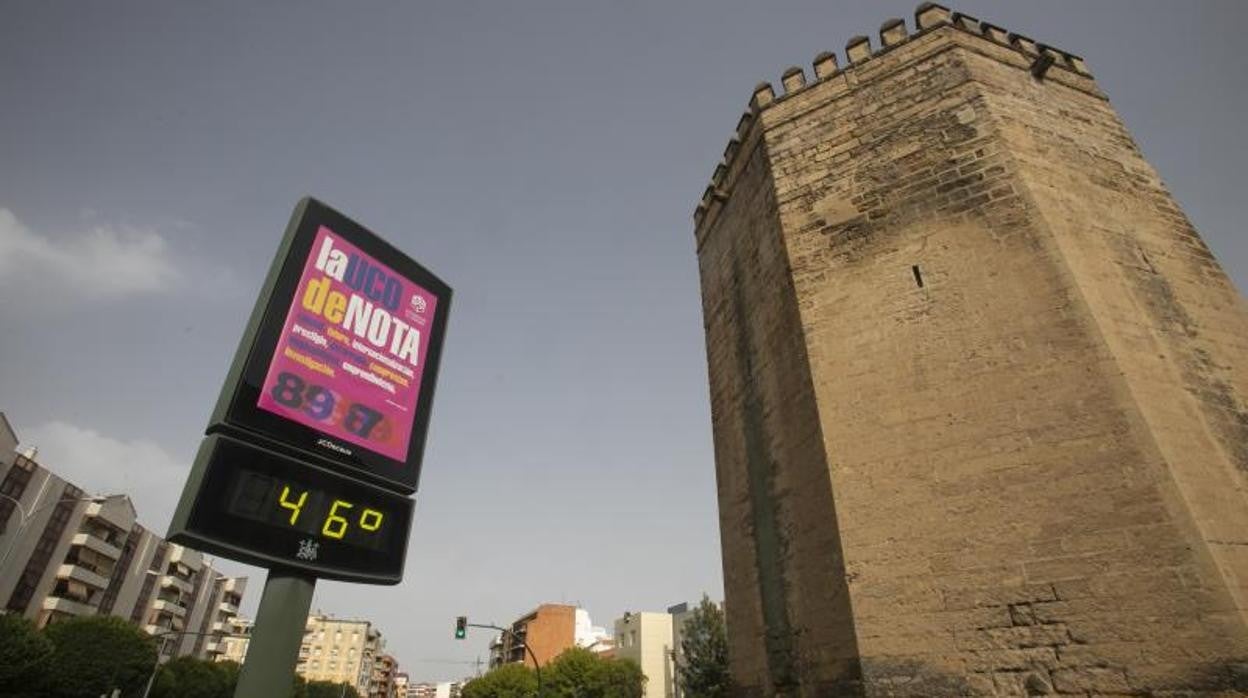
[353,348]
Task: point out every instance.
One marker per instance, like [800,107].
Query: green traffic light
[461,627]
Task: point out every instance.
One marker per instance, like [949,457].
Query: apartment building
[647,639]
[383,683]
[234,642]
[66,553]
[340,650]
[548,630]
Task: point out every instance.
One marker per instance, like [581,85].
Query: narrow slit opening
[918,275]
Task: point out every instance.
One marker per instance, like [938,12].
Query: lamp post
[160,649]
[28,516]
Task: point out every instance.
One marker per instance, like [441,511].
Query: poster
[352,351]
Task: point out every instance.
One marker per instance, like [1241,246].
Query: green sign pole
[269,671]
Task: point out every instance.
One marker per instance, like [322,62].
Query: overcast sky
[544,158]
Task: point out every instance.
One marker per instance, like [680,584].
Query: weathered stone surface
[979,391]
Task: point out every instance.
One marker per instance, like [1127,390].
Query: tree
[187,677]
[703,670]
[93,655]
[323,689]
[507,681]
[24,656]
[580,673]
[621,678]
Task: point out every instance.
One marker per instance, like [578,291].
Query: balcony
[82,574]
[121,517]
[169,607]
[62,605]
[213,647]
[191,558]
[171,581]
[227,607]
[99,545]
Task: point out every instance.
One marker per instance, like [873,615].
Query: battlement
[893,33]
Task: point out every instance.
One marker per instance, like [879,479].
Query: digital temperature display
[286,502]
[264,507]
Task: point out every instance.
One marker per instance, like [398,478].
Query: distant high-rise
[979,390]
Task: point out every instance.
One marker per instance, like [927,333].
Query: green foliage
[323,689]
[93,655]
[507,681]
[187,677]
[703,670]
[24,656]
[580,673]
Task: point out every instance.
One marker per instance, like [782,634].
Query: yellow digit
[370,525]
[293,506]
[334,518]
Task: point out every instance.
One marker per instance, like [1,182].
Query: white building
[586,634]
[67,553]
[646,638]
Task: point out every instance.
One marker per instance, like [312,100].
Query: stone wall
[977,387]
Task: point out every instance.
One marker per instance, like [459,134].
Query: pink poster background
[391,435]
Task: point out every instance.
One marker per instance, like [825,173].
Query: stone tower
[979,390]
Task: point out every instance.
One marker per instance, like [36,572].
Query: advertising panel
[352,351]
[340,361]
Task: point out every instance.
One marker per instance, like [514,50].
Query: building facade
[340,650]
[65,553]
[548,630]
[234,644]
[384,681]
[979,390]
[646,639]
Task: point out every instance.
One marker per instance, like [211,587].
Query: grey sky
[542,157]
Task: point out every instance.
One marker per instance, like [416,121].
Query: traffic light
[461,627]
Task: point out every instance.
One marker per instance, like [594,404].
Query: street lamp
[27,516]
[164,638]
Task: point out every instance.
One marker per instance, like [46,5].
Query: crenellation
[994,33]
[892,32]
[929,15]
[825,65]
[1024,44]
[793,80]
[763,96]
[858,49]
[1076,64]
[717,177]
[743,124]
[966,23]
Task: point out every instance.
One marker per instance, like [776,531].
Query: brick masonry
[979,390]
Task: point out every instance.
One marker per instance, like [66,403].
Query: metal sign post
[274,647]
